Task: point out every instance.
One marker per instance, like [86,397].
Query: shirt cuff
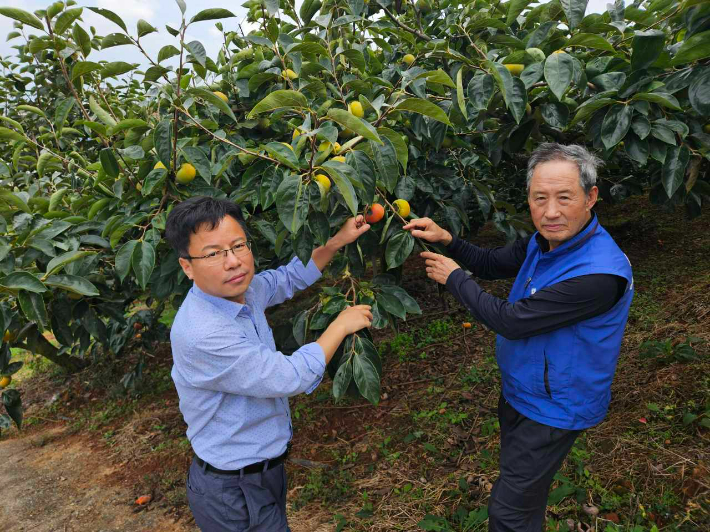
[309,273]
[316,363]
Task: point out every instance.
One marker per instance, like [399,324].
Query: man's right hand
[427,229]
[354,318]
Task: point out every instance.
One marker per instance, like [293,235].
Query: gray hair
[587,163]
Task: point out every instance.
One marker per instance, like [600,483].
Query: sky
[158,13]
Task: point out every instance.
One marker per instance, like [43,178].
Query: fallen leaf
[143,499]
[642,419]
[613,517]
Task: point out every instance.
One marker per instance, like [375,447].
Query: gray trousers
[238,503]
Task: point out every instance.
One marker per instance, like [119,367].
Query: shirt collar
[544,245]
[231,308]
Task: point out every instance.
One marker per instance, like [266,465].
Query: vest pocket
[546,376]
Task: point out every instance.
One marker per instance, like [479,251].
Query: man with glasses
[232,382]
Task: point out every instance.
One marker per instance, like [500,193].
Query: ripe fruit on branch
[186,174]
[339,159]
[409,59]
[403,208]
[324,181]
[515,68]
[356,109]
[375,213]
[222,96]
[290,74]
[5,381]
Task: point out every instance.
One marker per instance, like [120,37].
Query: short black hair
[188,216]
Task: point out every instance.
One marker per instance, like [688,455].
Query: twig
[405,27]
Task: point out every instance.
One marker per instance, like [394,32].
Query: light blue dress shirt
[232,382]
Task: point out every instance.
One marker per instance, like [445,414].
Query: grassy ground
[426,457]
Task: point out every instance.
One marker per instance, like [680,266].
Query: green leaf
[215,100]
[503,78]
[66,19]
[366,378]
[309,48]
[399,247]
[666,100]
[515,7]
[336,172]
[82,68]
[13,404]
[697,47]
[391,304]
[163,141]
[674,167]
[198,52]
[646,46]
[292,199]
[559,70]
[113,17]
[72,283]
[279,99]
[589,40]
[355,124]
[45,159]
[64,107]
[424,107]
[143,262]
[14,200]
[365,170]
[128,123]
[154,179]
[585,110]
[283,153]
[32,109]
[109,162]
[460,100]
[115,39]
[144,28]
[517,99]
[385,157]
[616,124]
[124,258]
[699,93]
[197,158]
[343,376]
[32,306]
[211,14]
[356,58]
[116,68]
[166,52]
[9,134]
[22,16]
[82,39]
[102,114]
[23,281]
[57,263]
[400,147]
[437,76]
[574,11]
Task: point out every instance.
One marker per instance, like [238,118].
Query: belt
[247,470]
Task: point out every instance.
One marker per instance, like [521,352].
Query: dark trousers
[530,455]
[238,503]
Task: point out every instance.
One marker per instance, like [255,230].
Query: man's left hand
[438,267]
[350,231]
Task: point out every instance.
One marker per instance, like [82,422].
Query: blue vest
[563,378]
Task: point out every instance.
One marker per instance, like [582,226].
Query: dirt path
[53,483]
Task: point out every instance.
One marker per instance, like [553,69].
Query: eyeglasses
[218,257]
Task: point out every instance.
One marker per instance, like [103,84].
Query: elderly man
[232,382]
[559,332]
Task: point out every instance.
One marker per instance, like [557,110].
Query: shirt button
[533,291]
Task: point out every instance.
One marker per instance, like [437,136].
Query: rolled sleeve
[283,282]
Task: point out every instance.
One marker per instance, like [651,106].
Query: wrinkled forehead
[226,231]
[556,176]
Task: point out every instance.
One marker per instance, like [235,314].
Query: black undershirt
[550,308]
